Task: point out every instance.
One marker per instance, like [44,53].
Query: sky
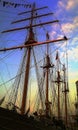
[66,11]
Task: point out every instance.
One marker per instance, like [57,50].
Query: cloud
[68,4]
[70,27]
[61,4]
[73,54]
[74,41]
[67,27]
[71,4]
[52,34]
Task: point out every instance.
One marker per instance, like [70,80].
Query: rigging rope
[38,80]
[18,77]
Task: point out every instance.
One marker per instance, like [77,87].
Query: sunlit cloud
[71,4]
[73,54]
[61,4]
[75,41]
[69,27]
[52,34]
[67,4]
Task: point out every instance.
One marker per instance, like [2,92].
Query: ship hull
[10,120]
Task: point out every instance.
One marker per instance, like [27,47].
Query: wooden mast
[65,93]
[58,84]
[58,81]
[47,66]
[30,40]
[26,82]
[47,83]
[29,44]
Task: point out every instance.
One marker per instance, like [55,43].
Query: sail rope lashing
[50,70]
[4,99]
[62,91]
[40,83]
[3,82]
[37,101]
[70,111]
[53,91]
[8,72]
[10,80]
[6,64]
[14,93]
[67,68]
[35,30]
[35,104]
[39,60]
[48,36]
[17,75]
[65,57]
[7,92]
[6,56]
[58,83]
[38,80]
[63,103]
[65,63]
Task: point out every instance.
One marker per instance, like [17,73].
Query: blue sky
[65,10]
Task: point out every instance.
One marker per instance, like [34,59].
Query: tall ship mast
[41,63]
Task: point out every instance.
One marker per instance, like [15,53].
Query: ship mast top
[31,38]
[31,42]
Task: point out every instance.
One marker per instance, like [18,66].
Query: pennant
[4,3]
[15,5]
